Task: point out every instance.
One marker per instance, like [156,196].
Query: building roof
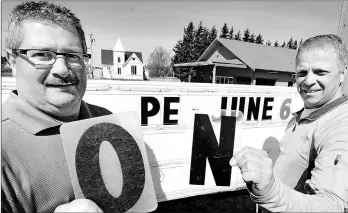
[133,55]
[129,54]
[118,45]
[255,56]
[107,57]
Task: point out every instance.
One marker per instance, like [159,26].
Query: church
[121,64]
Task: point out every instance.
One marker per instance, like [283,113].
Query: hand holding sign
[108,164]
[256,168]
[79,205]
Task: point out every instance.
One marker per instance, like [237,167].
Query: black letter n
[205,145]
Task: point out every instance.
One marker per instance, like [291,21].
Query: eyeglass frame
[24,52]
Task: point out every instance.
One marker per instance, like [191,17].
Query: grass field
[237,201]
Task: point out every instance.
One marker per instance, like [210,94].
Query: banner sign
[191,131]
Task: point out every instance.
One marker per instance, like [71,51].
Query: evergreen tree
[224,31]
[183,50]
[238,36]
[276,44]
[231,33]
[294,45]
[212,34]
[259,39]
[269,43]
[246,36]
[283,45]
[201,41]
[252,38]
[290,44]
[198,41]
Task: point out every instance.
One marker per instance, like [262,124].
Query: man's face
[51,88]
[318,76]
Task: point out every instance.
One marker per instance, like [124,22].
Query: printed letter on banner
[108,164]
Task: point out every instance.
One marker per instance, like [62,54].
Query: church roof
[119,46]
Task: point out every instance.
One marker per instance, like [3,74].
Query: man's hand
[256,168]
[79,205]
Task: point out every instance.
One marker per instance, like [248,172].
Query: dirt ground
[237,201]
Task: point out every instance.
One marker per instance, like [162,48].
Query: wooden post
[214,74]
[343,33]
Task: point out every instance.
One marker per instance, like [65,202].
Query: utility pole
[343,33]
[91,39]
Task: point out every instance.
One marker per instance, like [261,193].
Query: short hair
[47,12]
[322,41]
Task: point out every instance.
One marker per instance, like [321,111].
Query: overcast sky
[142,25]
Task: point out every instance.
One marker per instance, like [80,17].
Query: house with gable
[121,64]
[228,61]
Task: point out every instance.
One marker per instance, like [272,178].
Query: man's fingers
[251,166]
[247,154]
[249,149]
[251,176]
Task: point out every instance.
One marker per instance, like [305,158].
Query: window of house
[119,59]
[224,80]
[134,70]
[243,80]
[119,70]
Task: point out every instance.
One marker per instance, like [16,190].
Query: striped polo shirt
[34,172]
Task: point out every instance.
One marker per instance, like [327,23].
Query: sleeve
[327,190]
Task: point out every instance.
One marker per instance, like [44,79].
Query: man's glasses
[47,58]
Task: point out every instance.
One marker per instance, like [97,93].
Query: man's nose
[310,79]
[61,67]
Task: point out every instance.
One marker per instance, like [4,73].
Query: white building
[121,64]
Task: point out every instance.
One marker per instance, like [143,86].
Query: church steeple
[119,46]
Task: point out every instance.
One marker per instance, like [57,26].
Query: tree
[159,62]
[269,43]
[212,34]
[294,45]
[276,44]
[246,36]
[252,38]
[259,39]
[201,41]
[224,31]
[231,33]
[283,45]
[183,50]
[238,36]
[290,44]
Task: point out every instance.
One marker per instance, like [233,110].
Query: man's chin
[64,100]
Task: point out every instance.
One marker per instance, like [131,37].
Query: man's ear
[11,59]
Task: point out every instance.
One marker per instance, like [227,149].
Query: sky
[143,25]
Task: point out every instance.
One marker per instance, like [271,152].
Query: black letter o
[89,173]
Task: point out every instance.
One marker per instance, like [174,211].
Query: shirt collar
[325,109]
[32,119]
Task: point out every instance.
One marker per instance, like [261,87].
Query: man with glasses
[46,48]
[310,174]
